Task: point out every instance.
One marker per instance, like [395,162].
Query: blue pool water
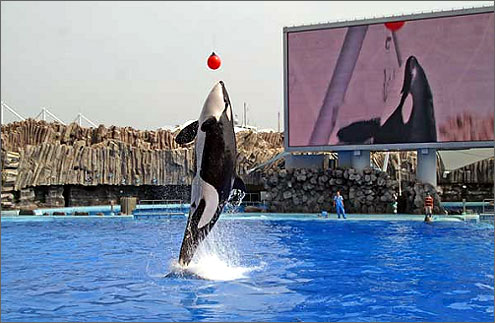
[263,269]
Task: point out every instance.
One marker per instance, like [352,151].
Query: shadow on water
[183,275]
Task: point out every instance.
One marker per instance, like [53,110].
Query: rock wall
[17,135]
[9,163]
[481,172]
[369,191]
[310,190]
[412,198]
[54,154]
[41,154]
[453,192]
[107,163]
[37,155]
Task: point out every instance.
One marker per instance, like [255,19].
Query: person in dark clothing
[428,207]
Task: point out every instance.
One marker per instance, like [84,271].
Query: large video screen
[391,85]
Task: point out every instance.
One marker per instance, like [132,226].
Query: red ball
[214,61]
[394,26]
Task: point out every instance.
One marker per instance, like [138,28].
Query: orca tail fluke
[359,132]
[187,250]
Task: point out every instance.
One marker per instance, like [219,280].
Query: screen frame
[373,147]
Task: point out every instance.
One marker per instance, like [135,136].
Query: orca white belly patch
[210,195]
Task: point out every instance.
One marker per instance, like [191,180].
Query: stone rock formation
[41,154]
[311,190]
[369,191]
[42,160]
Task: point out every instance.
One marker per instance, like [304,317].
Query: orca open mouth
[226,98]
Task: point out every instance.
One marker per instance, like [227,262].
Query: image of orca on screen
[421,125]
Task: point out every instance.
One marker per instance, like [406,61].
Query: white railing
[488,207]
[80,118]
[154,202]
[44,113]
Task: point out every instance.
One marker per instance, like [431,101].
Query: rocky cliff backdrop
[50,164]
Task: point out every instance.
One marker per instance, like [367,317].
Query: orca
[215,175]
[419,128]
[421,125]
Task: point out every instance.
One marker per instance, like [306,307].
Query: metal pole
[89,121]
[400,171]
[38,115]
[245,123]
[337,88]
[397,50]
[53,116]
[385,162]
[5,105]
[426,170]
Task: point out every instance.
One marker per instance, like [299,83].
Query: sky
[143,64]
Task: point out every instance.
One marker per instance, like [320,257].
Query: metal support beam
[79,119]
[360,159]
[426,170]
[357,159]
[345,158]
[6,106]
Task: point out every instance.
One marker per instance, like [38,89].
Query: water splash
[216,259]
[234,202]
[210,267]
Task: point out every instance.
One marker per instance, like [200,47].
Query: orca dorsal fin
[239,184]
[187,134]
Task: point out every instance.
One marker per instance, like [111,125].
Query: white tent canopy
[455,159]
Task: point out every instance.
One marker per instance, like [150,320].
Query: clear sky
[143,64]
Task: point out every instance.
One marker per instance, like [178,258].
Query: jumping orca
[421,125]
[215,178]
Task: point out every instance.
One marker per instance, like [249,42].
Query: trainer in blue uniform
[338,201]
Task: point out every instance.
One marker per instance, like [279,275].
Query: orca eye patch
[208,123]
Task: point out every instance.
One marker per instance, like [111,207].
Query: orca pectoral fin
[187,134]
[208,123]
[239,184]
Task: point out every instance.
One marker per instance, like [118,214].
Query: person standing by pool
[111,208]
[428,207]
[338,202]
[395,204]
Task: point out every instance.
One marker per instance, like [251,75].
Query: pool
[262,268]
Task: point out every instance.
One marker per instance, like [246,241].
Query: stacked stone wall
[369,191]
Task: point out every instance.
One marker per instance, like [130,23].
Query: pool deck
[10,217]
[169,211]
